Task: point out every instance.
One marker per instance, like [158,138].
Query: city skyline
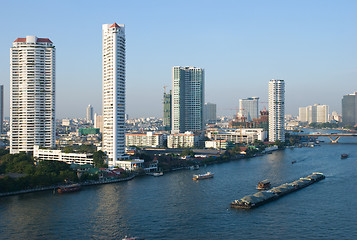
[314,49]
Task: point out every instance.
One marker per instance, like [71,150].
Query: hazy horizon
[240,44]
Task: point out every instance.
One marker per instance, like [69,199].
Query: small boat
[293,162]
[69,188]
[132,238]
[203,176]
[195,167]
[344,155]
[158,174]
[263,185]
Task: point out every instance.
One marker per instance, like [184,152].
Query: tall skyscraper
[249,108]
[210,113]
[188,93]
[276,110]
[1,108]
[349,109]
[167,111]
[90,114]
[114,92]
[32,94]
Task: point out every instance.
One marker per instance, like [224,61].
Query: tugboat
[263,185]
[203,176]
[344,155]
[69,188]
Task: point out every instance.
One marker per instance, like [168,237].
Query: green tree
[99,159]
[68,149]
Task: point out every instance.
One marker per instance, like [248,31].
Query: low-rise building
[216,144]
[244,135]
[131,165]
[57,155]
[183,140]
[148,139]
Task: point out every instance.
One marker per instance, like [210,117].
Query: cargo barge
[262,197]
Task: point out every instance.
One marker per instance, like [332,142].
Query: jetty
[262,197]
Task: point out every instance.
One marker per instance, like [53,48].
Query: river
[176,207]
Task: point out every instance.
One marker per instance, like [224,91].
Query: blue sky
[240,44]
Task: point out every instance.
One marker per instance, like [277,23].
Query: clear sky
[311,44]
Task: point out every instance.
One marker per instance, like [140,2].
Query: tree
[187,152]
[99,159]
[68,149]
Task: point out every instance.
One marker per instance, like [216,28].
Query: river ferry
[69,188]
[203,176]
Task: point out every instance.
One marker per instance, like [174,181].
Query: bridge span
[334,137]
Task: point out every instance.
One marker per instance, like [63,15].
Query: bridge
[334,137]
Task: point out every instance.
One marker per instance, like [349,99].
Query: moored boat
[69,188]
[203,176]
[263,185]
[158,174]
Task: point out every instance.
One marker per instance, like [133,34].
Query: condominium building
[1,108]
[314,114]
[32,94]
[210,113]
[187,99]
[114,92]
[90,114]
[167,111]
[148,139]
[349,109]
[98,122]
[183,140]
[57,155]
[276,110]
[249,108]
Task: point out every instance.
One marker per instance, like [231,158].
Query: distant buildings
[90,114]
[114,92]
[183,140]
[32,104]
[187,99]
[349,109]
[276,110]
[167,111]
[148,139]
[249,108]
[98,122]
[210,113]
[1,109]
[314,114]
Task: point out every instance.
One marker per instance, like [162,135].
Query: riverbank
[54,187]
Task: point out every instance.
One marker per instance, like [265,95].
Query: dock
[262,197]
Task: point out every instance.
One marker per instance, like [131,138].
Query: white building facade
[276,110]
[314,114]
[249,108]
[32,94]
[148,139]
[182,140]
[187,99]
[114,92]
[57,155]
[244,135]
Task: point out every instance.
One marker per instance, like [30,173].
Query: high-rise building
[90,114]
[249,108]
[276,110]
[314,114]
[32,105]
[167,111]
[210,113]
[1,108]
[349,109]
[98,122]
[114,92]
[188,95]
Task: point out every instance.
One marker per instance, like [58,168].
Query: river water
[176,207]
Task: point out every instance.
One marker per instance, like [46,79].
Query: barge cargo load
[262,197]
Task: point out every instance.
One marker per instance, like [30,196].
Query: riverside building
[276,110]
[314,114]
[249,108]
[349,109]
[187,99]
[32,94]
[114,92]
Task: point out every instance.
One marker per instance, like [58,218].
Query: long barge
[262,197]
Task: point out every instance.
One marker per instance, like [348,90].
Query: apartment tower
[90,114]
[349,109]
[114,92]
[187,99]
[276,110]
[32,94]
